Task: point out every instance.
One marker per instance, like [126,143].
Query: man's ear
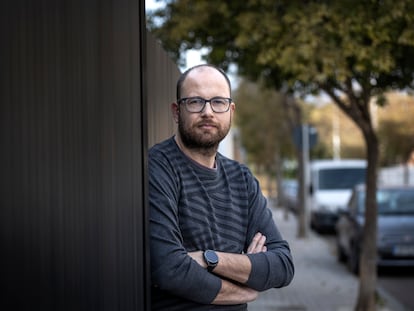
[175,109]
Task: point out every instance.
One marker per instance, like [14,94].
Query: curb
[389,300]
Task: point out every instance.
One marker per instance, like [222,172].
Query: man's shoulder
[229,161]
[165,147]
[233,164]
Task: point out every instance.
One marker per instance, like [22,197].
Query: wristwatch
[211,259]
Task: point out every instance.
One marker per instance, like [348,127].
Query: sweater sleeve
[172,269]
[273,268]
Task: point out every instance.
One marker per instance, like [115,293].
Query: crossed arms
[235,267]
[237,279]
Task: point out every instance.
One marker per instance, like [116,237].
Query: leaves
[262,123]
[354,50]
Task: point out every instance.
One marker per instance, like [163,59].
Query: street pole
[305,188]
[305,137]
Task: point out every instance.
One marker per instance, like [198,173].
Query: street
[398,282]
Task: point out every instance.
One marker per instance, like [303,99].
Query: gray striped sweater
[196,208]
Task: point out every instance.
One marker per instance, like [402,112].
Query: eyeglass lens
[197,104]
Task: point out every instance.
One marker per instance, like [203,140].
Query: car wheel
[353,259]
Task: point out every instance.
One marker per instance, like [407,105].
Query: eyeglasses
[197,104]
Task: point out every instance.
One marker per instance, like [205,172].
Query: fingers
[251,294]
[258,244]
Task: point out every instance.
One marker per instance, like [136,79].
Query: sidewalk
[320,283]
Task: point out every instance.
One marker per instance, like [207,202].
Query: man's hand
[258,244]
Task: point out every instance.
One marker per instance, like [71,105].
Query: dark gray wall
[73,139]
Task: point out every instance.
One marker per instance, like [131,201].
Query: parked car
[395,235]
[331,183]
[290,196]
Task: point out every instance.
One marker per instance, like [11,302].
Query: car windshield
[340,178]
[392,201]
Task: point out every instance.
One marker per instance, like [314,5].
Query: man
[214,244]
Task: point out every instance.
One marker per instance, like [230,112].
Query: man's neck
[204,157]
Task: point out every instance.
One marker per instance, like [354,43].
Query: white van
[331,183]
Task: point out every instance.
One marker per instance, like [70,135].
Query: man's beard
[205,143]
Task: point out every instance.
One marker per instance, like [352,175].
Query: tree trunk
[368,261]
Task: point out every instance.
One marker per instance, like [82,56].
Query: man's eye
[195,101]
[218,102]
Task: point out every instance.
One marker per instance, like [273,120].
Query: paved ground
[320,283]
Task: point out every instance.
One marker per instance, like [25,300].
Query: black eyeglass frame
[185,99]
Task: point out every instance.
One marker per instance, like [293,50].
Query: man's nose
[207,108]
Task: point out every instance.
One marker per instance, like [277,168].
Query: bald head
[196,69]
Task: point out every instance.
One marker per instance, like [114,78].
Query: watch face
[211,257]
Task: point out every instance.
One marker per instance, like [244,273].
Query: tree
[265,134]
[353,51]
[261,122]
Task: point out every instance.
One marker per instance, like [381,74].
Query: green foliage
[188,24]
[352,50]
[323,44]
[305,46]
[262,122]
